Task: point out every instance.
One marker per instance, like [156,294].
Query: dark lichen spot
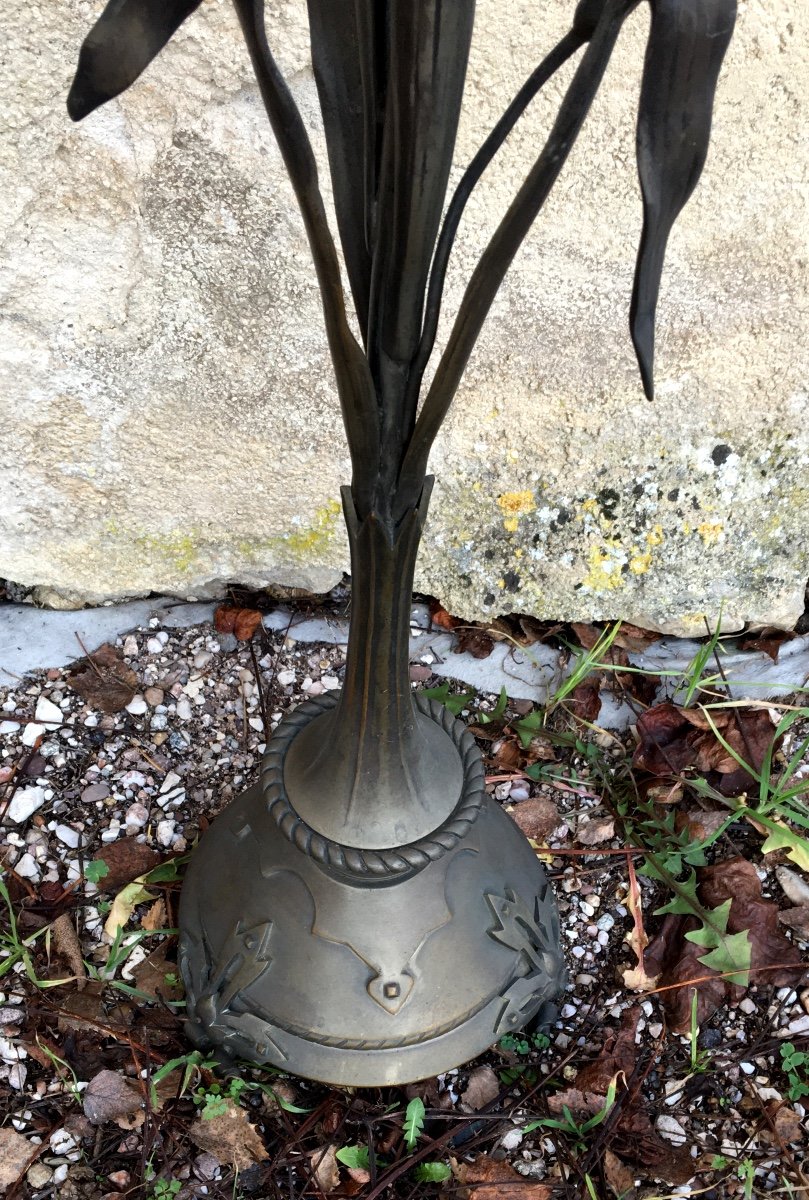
[695,503]
[608,500]
[512,581]
[488,554]
[721,453]
[638,490]
[488,599]
[674,494]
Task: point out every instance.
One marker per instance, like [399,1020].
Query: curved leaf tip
[687,43]
[121,44]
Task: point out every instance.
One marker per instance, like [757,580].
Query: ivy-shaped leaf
[413,1122]
[728,953]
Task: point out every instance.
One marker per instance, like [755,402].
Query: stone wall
[168,414]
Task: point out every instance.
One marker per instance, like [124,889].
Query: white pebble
[110,834]
[603,937]
[578,952]
[519,792]
[587,909]
[568,1010]
[47,713]
[68,835]
[512,1139]
[202,659]
[799,1025]
[25,802]
[60,1174]
[748,1068]
[170,782]
[62,1142]
[670,1129]
[137,706]
[256,723]
[747,1006]
[165,832]
[605,922]
[32,733]
[17,1076]
[131,647]
[330,682]
[27,867]
[184,710]
[286,678]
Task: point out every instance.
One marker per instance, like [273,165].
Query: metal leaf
[687,44]
[347,70]
[428,52]
[121,44]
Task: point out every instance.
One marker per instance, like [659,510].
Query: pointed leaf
[346,73]
[687,44]
[121,44]
[413,1122]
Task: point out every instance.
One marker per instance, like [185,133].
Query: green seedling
[413,1122]
[96,870]
[568,1126]
[455,703]
[497,713]
[432,1172]
[166,1189]
[357,1157]
[215,1099]
[795,1065]
[700,1059]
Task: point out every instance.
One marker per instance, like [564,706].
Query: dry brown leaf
[248,620]
[491,1179]
[150,974]
[127,859]
[230,1138]
[15,1152]
[156,917]
[585,699]
[796,919]
[506,755]
[770,639]
[594,831]
[482,1088]
[582,1104]
[110,1097]
[103,679]
[620,1180]
[474,640]
[637,979]
[618,1056]
[677,960]
[359,1175]
[536,817]
[66,942]
[325,1168]
[787,1125]
[439,616]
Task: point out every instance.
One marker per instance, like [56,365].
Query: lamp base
[364,967]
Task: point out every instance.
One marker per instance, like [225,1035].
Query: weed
[215,1099]
[165,1189]
[700,1059]
[568,1126]
[432,1172]
[456,703]
[354,1156]
[795,1065]
[413,1122]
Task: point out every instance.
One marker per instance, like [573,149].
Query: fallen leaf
[637,979]
[492,1179]
[583,1104]
[474,640]
[233,618]
[127,859]
[150,976]
[156,917]
[585,699]
[673,739]
[783,838]
[15,1152]
[109,1097]
[676,959]
[620,1180]
[103,679]
[770,639]
[439,616]
[618,1055]
[506,756]
[594,831]
[787,1125]
[66,942]
[536,817]
[482,1088]
[796,919]
[124,905]
[325,1168]
[230,1138]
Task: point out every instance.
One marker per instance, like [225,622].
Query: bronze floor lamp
[367,914]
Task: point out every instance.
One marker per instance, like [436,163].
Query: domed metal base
[364,967]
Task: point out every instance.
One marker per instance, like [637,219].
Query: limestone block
[168,414]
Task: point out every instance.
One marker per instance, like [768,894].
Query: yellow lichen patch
[639,563]
[589,506]
[710,532]
[604,572]
[179,547]
[515,505]
[302,542]
[655,536]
